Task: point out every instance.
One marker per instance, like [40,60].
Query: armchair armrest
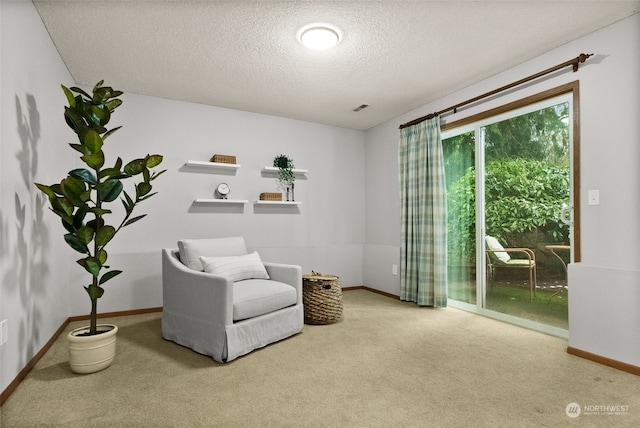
[193,294]
[288,274]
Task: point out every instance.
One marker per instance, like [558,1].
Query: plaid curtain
[423,251]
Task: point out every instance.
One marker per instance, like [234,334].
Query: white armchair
[217,316]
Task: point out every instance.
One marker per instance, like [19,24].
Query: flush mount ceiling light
[319,37]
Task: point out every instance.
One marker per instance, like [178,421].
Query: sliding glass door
[509,184]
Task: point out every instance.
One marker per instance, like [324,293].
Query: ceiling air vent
[361,107]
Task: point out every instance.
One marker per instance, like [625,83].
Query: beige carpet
[388,364]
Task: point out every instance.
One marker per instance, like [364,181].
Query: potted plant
[286,175]
[81,200]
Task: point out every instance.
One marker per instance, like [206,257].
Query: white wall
[34,262]
[610,153]
[41,283]
[325,233]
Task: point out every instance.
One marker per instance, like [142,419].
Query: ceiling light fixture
[319,37]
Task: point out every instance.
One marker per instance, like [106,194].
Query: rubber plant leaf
[110,190]
[74,119]
[107,276]
[109,132]
[135,166]
[70,97]
[94,291]
[78,217]
[153,161]
[100,115]
[91,265]
[46,190]
[85,234]
[75,243]
[142,189]
[133,220]
[93,141]
[101,255]
[80,91]
[94,160]
[84,175]
[104,235]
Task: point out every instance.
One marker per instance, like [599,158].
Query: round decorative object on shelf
[223,190]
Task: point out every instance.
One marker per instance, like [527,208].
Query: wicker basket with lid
[322,298]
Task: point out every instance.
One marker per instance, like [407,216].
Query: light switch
[594,197]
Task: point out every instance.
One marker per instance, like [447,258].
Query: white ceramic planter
[90,354]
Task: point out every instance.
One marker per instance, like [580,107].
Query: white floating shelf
[278,202]
[213,164]
[275,170]
[220,201]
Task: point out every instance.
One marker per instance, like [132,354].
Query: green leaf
[142,189]
[92,141]
[46,190]
[113,104]
[109,132]
[104,235]
[75,243]
[94,291]
[74,188]
[135,166]
[63,208]
[107,276]
[98,85]
[110,190]
[57,188]
[80,91]
[100,211]
[130,202]
[100,115]
[91,265]
[78,147]
[85,175]
[101,94]
[157,174]
[74,120]
[69,95]
[101,255]
[85,234]
[153,160]
[113,173]
[133,220]
[96,224]
[69,227]
[143,198]
[78,217]
[95,160]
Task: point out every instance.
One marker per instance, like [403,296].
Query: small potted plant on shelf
[81,201]
[286,176]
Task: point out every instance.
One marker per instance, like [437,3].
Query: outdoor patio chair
[499,257]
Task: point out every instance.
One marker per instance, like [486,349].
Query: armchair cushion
[192,249]
[497,249]
[236,268]
[255,297]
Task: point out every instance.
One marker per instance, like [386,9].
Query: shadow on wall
[25,259]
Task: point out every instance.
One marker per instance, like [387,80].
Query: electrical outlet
[394,269]
[4,331]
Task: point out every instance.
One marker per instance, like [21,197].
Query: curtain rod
[573,62]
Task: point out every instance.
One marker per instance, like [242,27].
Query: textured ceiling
[394,56]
